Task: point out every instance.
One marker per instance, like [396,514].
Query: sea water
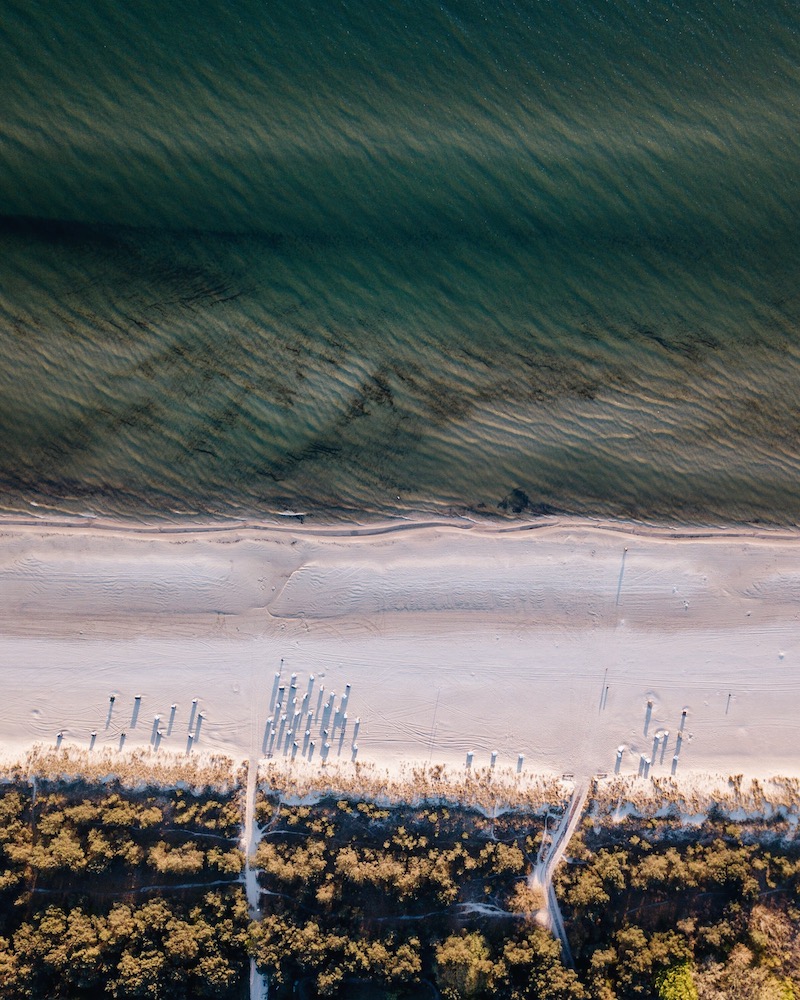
[391,258]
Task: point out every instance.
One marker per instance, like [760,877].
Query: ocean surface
[357,259]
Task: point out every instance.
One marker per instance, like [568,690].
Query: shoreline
[382,526]
[167,514]
[559,640]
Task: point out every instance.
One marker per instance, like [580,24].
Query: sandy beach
[579,646]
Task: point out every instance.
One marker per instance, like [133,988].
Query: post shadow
[621,572]
[59,738]
[354,754]
[192,714]
[356,727]
[310,687]
[92,740]
[320,694]
[172,710]
[189,741]
[678,744]
[674,764]
[275,684]
[121,740]
[618,762]
[664,746]
[603,691]
[683,719]
[137,704]
[200,718]
[470,756]
[154,731]
[111,701]
[648,715]
[654,754]
[520,762]
[311,746]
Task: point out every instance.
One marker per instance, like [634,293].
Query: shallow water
[357,260]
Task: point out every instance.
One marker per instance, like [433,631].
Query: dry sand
[562,642]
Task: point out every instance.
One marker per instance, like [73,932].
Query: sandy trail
[259,984]
[553,641]
[550,855]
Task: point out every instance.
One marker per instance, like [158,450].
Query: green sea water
[369,259]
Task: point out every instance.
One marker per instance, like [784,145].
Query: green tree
[676,983]
[464,966]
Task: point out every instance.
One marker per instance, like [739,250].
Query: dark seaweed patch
[518,502]
[374,390]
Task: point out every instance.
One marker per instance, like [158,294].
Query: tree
[526,899]
[66,851]
[181,941]
[142,975]
[186,859]
[464,966]
[775,941]
[214,974]
[533,969]
[676,983]
[229,862]
[12,982]
[739,977]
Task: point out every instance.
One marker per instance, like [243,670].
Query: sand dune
[561,643]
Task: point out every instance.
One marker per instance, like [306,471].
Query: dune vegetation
[138,890]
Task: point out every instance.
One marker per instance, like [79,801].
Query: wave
[406,260]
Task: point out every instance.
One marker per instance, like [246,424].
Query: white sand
[453,639]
